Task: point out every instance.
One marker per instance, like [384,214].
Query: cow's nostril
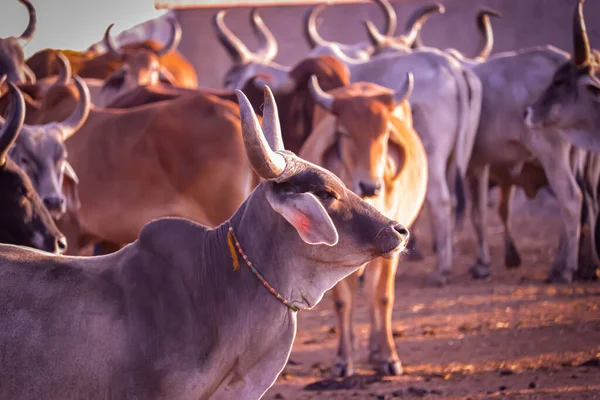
[61,244]
[402,231]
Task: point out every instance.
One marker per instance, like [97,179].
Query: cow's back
[183,157]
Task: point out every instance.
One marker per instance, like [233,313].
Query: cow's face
[360,142]
[41,153]
[326,223]
[570,101]
[23,218]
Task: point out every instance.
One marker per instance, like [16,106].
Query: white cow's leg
[562,182]
[440,207]
[478,182]
[343,296]
[512,259]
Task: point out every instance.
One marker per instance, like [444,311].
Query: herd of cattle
[95,145]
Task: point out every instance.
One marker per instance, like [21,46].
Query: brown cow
[90,64]
[12,58]
[171,149]
[363,133]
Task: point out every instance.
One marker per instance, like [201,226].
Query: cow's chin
[395,252]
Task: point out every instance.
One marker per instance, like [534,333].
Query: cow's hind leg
[382,349]
[512,258]
[478,182]
[344,296]
[440,207]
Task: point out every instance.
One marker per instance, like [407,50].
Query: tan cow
[363,133]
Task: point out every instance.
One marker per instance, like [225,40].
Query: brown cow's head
[247,64]
[41,153]
[23,218]
[140,66]
[357,139]
[319,222]
[12,59]
[571,103]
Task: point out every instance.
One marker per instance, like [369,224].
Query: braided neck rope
[231,238]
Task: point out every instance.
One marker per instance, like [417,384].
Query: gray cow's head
[318,220]
[24,220]
[41,153]
[247,64]
[571,103]
[12,58]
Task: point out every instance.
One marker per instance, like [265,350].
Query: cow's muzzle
[395,242]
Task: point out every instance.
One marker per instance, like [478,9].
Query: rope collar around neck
[231,239]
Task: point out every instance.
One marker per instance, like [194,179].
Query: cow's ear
[307,215]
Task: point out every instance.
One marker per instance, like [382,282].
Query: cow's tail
[469,110]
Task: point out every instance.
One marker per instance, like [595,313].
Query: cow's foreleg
[343,296]
[383,355]
[440,207]
[512,259]
[563,183]
[478,182]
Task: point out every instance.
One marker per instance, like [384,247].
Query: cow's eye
[24,161]
[326,195]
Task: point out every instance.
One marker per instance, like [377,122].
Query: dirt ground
[511,336]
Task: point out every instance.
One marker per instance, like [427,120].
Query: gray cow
[174,315]
[12,58]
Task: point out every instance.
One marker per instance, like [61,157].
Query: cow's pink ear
[307,215]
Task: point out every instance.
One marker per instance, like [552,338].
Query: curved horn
[14,122]
[323,99]
[174,39]
[404,94]
[376,38]
[581,44]
[264,161]
[81,112]
[391,21]
[64,69]
[416,20]
[268,43]
[311,34]
[271,125]
[110,44]
[28,33]
[485,27]
[234,46]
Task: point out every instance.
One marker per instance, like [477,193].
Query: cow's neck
[275,249]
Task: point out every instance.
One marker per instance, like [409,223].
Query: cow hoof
[437,279]
[512,260]
[390,368]
[480,271]
[342,370]
[565,276]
